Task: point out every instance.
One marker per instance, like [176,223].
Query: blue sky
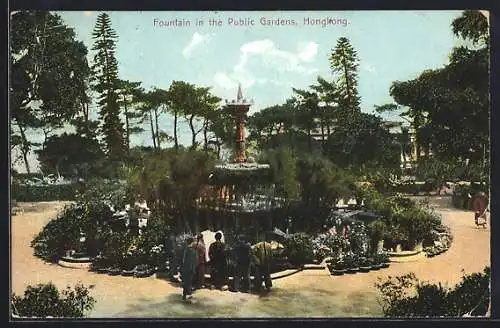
[269,60]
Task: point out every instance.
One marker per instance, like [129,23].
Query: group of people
[194,265]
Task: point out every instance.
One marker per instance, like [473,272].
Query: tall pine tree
[106,83]
[344,64]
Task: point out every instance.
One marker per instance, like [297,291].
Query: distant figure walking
[262,256]
[199,279]
[218,261]
[188,271]
[243,252]
[479,204]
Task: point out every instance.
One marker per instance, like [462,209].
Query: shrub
[64,232]
[327,245]
[154,237]
[45,300]
[376,231]
[358,239]
[380,257]
[406,296]
[25,193]
[407,221]
[119,245]
[110,193]
[299,248]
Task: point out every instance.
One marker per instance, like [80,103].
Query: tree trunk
[127,126]
[309,139]
[205,135]
[347,86]
[218,148]
[418,147]
[157,130]
[323,134]
[45,137]
[24,148]
[176,141]
[193,133]
[404,156]
[153,135]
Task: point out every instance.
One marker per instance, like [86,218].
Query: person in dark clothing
[262,256]
[218,261]
[199,278]
[188,271]
[243,254]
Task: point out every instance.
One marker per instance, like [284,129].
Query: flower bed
[353,264]
[442,244]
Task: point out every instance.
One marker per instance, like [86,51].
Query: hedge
[25,193]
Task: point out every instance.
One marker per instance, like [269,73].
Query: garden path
[310,293]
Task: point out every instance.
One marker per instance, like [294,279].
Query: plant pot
[101,270]
[353,270]
[114,271]
[144,274]
[339,272]
[128,273]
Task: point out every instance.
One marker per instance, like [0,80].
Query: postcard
[259,164]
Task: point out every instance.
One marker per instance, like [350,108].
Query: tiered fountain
[245,195]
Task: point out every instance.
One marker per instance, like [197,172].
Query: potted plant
[352,263]
[114,270]
[128,269]
[144,270]
[338,268]
[365,264]
[374,264]
[377,230]
[100,264]
[382,259]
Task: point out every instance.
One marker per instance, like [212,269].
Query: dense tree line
[449,107]
[52,84]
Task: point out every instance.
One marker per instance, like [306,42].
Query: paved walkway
[310,293]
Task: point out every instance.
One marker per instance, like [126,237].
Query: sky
[268,57]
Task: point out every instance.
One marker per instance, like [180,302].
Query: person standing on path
[199,278]
[243,252]
[188,271]
[262,255]
[218,261]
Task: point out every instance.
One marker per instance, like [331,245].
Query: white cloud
[307,51]
[276,58]
[196,41]
[368,68]
[273,59]
[224,81]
